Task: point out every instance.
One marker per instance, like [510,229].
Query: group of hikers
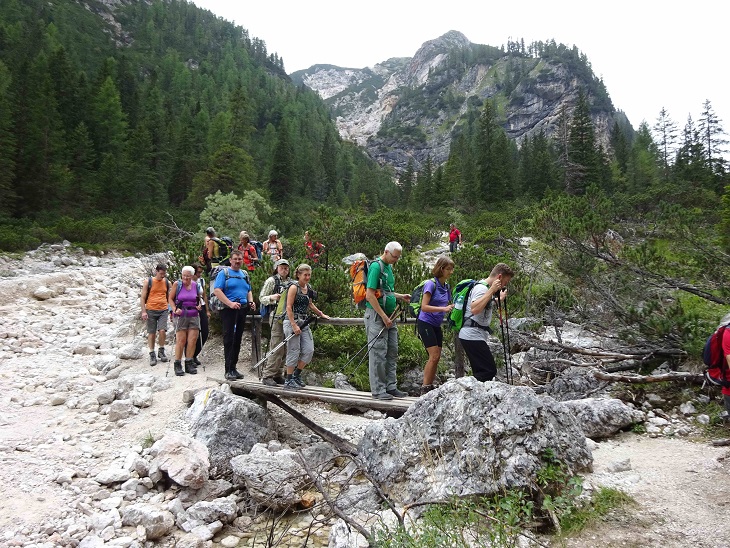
[289,303]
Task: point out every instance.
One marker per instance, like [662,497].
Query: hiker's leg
[192,339]
[292,348]
[480,357]
[240,320]
[228,324]
[432,338]
[378,352]
[391,381]
[306,347]
[204,330]
[275,362]
[180,340]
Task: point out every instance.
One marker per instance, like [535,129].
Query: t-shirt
[387,302]
[454,234]
[726,353]
[484,318]
[157,294]
[440,296]
[237,287]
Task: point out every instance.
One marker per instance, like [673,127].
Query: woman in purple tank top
[185,302]
[435,304]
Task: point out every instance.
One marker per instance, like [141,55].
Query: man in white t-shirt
[477,318]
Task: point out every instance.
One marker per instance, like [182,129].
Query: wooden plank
[346,398]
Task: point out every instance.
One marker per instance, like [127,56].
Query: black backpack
[223,250]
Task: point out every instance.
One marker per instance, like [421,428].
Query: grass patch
[603,501]
[148,440]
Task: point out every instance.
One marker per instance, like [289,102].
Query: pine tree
[712,135]
[666,131]
[281,181]
[582,146]
[7,145]
[406,182]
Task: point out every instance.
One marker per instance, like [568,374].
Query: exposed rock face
[228,426]
[471,438]
[425,97]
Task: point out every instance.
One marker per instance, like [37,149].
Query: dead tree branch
[640,379]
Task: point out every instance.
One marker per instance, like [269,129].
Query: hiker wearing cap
[380,324]
[273,246]
[478,310]
[454,237]
[269,297]
[154,311]
[250,257]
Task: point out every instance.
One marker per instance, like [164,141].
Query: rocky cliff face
[407,108]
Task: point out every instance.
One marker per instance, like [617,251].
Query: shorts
[183,323]
[430,334]
[156,321]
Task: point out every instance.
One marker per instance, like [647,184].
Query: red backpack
[714,358]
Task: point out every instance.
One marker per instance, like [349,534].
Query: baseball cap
[280,262]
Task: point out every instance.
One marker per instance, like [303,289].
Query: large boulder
[573,384]
[184,459]
[600,418]
[471,438]
[228,426]
[272,476]
[156,521]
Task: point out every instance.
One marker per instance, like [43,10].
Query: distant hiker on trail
[269,297]
[233,289]
[250,256]
[313,249]
[435,304]
[300,348]
[185,302]
[477,317]
[208,248]
[382,333]
[204,314]
[273,247]
[454,238]
[155,311]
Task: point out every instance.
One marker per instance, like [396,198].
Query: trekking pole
[504,344]
[174,344]
[509,346]
[367,345]
[304,324]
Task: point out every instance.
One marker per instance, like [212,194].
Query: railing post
[458,357]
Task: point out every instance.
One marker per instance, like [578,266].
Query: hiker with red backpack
[380,324]
[478,310]
[250,256]
[435,304]
[716,356]
[185,300]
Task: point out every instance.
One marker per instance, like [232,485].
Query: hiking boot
[427,388]
[383,396]
[161,354]
[397,393]
[178,368]
[190,367]
[196,361]
[297,378]
[291,384]
[236,374]
[279,379]
[153,359]
[269,381]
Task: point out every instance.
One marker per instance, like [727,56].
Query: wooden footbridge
[346,399]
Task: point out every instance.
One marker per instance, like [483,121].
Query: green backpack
[461,298]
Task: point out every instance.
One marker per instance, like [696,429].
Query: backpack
[149,286]
[281,305]
[266,309]
[462,291]
[215,304]
[223,249]
[179,286]
[714,358]
[359,280]
[417,296]
[259,247]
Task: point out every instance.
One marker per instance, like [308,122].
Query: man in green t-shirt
[381,330]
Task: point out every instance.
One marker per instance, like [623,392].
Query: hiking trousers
[480,357]
[275,361]
[383,355]
[232,323]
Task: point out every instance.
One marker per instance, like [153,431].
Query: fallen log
[640,379]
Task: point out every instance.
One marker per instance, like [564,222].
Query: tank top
[301,303]
[157,295]
[187,299]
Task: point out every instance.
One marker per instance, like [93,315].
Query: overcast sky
[650,54]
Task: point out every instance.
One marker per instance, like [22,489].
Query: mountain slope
[413,107]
